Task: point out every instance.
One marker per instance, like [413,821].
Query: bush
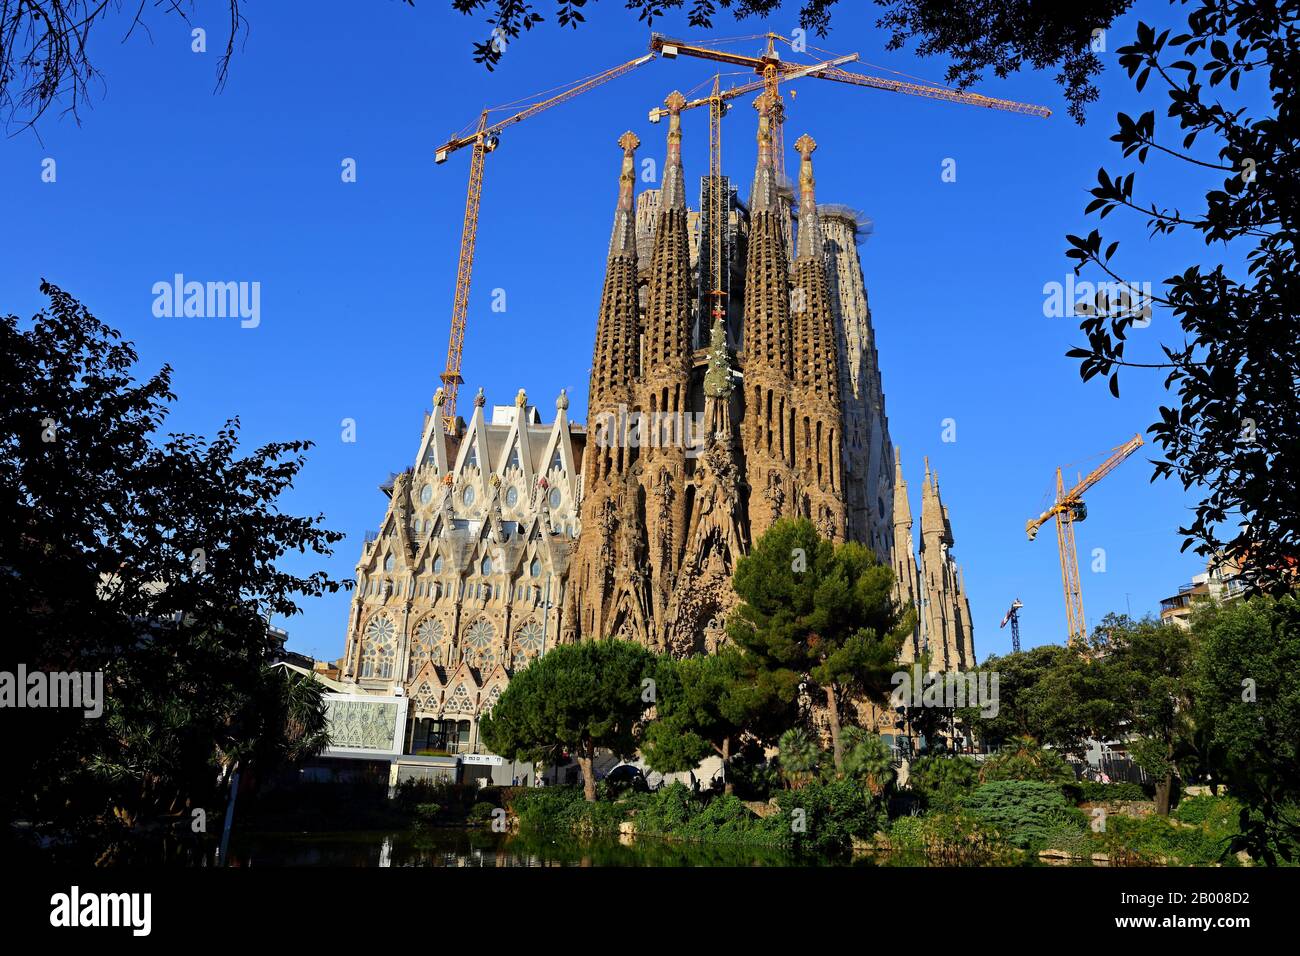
[1025,812]
[958,839]
[1155,840]
[1091,791]
[1027,761]
[833,814]
[753,777]
[907,833]
[941,782]
[674,811]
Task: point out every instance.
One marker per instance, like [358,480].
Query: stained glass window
[528,643]
[430,643]
[378,648]
[480,644]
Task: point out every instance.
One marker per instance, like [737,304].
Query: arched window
[528,644]
[485,566]
[426,494]
[390,562]
[437,564]
[378,649]
[556,497]
[429,643]
[512,496]
[481,644]
[535,569]
[467,496]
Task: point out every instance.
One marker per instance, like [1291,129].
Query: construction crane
[483,140]
[1013,617]
[774,70]
[1069,508]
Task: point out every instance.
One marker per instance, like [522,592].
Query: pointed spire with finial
[763,193]
[810,231]
[674,190]
[623,241]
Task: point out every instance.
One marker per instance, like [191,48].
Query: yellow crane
[775,71]
[1068,508]
[483,140]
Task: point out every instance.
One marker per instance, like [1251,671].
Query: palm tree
[868,758]
[799,754]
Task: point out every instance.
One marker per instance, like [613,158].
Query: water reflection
[459,848]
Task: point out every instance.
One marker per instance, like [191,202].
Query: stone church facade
[461,585]
[785,389]
[705,425]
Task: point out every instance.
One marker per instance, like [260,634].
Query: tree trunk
[588,775]
[1165,786]
[1164,790]
[728,787]
[833,711]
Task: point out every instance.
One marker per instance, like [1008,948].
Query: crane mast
[483,140]
[1012,617]
[1067,509]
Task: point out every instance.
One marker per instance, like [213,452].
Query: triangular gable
[475,444]
[462,695]
[558,440]
[433,443]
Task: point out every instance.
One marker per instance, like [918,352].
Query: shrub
[962,839]
[1154,839]
[907,833]
[754,778]
[1090,791]
[1027,761]
[832,815]
[941,782]
[1024,811]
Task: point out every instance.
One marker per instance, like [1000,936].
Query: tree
[576,698]
[1247,709]
[868,758]
[820,611]
[1019,675]
[151,564]
[1150,667]
[44,50]
[1232,353]
[799,754]
[707,705]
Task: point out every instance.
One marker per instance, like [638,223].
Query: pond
[482,848]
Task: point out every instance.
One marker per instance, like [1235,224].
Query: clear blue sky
[165,177]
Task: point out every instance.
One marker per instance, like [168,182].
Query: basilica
[743,325]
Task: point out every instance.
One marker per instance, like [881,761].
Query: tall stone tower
[694,449]
[945,612]
[869,465]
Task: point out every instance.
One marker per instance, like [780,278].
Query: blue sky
[163,176]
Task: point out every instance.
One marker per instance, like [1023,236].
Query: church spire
[668,297]
[623,240]
[614,361]
[762,195]
[674,190]
[810,231]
